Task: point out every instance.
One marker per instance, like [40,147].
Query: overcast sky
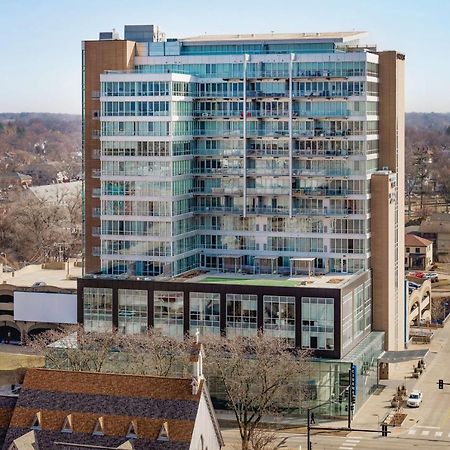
[40,40]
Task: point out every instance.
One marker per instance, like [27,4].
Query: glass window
[279,317]
[241,314]
[133,311]
[318,323]
[168,318]
[97,309]
[204,311]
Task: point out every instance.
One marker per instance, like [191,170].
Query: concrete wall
[45,307]
[388,205]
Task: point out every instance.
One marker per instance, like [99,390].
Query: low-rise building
[15,180]
[37,297]
[68,410]
[437,230]
[418,252]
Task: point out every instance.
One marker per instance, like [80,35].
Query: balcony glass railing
[322,172]
[267,152]
[219,152]
[276,172]
[218,171]
[322,192]
[276,190]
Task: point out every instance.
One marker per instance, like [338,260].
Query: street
[426,427]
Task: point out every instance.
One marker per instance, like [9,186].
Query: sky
[40,40]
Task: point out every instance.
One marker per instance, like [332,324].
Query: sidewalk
[379,405]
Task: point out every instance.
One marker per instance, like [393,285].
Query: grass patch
[11,364]
[250,281]
[10,361]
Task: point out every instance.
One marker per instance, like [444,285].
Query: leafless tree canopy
[37,230]
[260,375]
[143,354]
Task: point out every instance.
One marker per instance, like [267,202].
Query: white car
[415,399]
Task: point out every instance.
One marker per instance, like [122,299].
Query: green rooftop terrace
[251,281]
[329,280]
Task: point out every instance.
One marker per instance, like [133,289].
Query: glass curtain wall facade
[221,161]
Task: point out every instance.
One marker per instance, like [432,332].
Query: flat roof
[34,273]
[58,192]
[330,280]
[403,355]
[339,36]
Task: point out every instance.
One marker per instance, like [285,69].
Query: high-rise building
[249,153]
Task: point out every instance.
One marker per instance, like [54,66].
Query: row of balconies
[278,211]
[281,152]
[266,114]
[310,134]
[238,171]
[296,192]
[311,95]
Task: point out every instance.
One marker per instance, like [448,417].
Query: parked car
[433,276]
[414,399]
[413,286]
[419,274]
[39,284]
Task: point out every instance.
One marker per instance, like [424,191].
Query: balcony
[268,171]
[326,94]
[276,190]
[267,74]
[322,172]
[321,153]
[268,152]
[223,152]
[321,192]
[238,171]
[218,209]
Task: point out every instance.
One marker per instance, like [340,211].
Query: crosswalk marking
[412,431]
[425,433]
[438,433]
[346,448]
[449,435]
[350,443]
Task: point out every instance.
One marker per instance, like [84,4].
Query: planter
[395,419]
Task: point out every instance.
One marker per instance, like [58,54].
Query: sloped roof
[119,399]
[412,240]
[7,404]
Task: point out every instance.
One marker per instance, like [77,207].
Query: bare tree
[73,348]
[266,439]
[442,175]
[261,375]
[421,164]
[38,229]
[439,307]
[154,353]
